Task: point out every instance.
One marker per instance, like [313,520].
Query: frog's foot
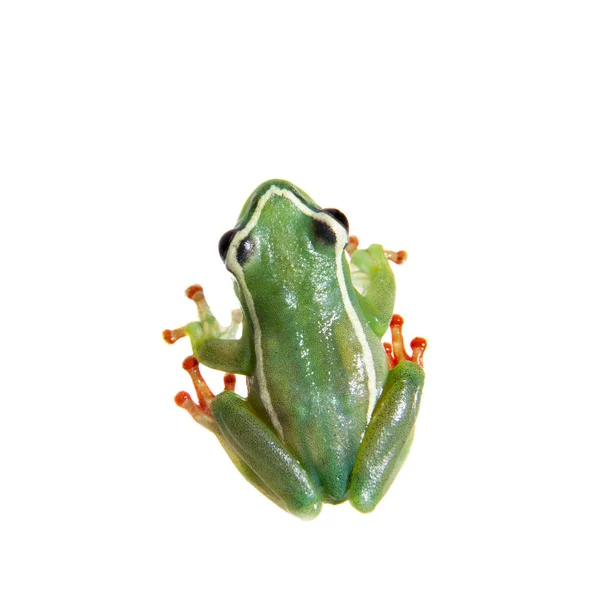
[207,326]
[397,257]
[200,411]
[396,352]
[205,315]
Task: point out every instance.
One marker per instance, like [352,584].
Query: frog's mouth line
[234,266]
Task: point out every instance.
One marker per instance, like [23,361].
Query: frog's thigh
[267,456]
[388,436]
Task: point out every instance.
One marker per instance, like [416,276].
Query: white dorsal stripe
[237,270]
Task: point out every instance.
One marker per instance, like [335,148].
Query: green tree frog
[330,410]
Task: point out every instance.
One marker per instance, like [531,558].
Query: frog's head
[281,229]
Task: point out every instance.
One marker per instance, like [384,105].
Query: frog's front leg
[389,434]
[254,448]
[213,344]
[374,281]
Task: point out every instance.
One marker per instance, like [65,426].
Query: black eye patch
[245,250]
[324,232]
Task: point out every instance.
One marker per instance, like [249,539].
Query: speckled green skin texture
[311,348]
[260,448]
[388,437]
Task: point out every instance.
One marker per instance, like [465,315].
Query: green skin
[325,419]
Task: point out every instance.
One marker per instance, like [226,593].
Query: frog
[330,409]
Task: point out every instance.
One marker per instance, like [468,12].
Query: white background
[464,132]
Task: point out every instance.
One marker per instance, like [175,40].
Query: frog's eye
[339,216]
[225,242]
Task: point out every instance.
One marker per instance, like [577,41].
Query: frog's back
[320,370]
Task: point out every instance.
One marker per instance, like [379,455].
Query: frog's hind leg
[257,445]
[390,432]
[260,456]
